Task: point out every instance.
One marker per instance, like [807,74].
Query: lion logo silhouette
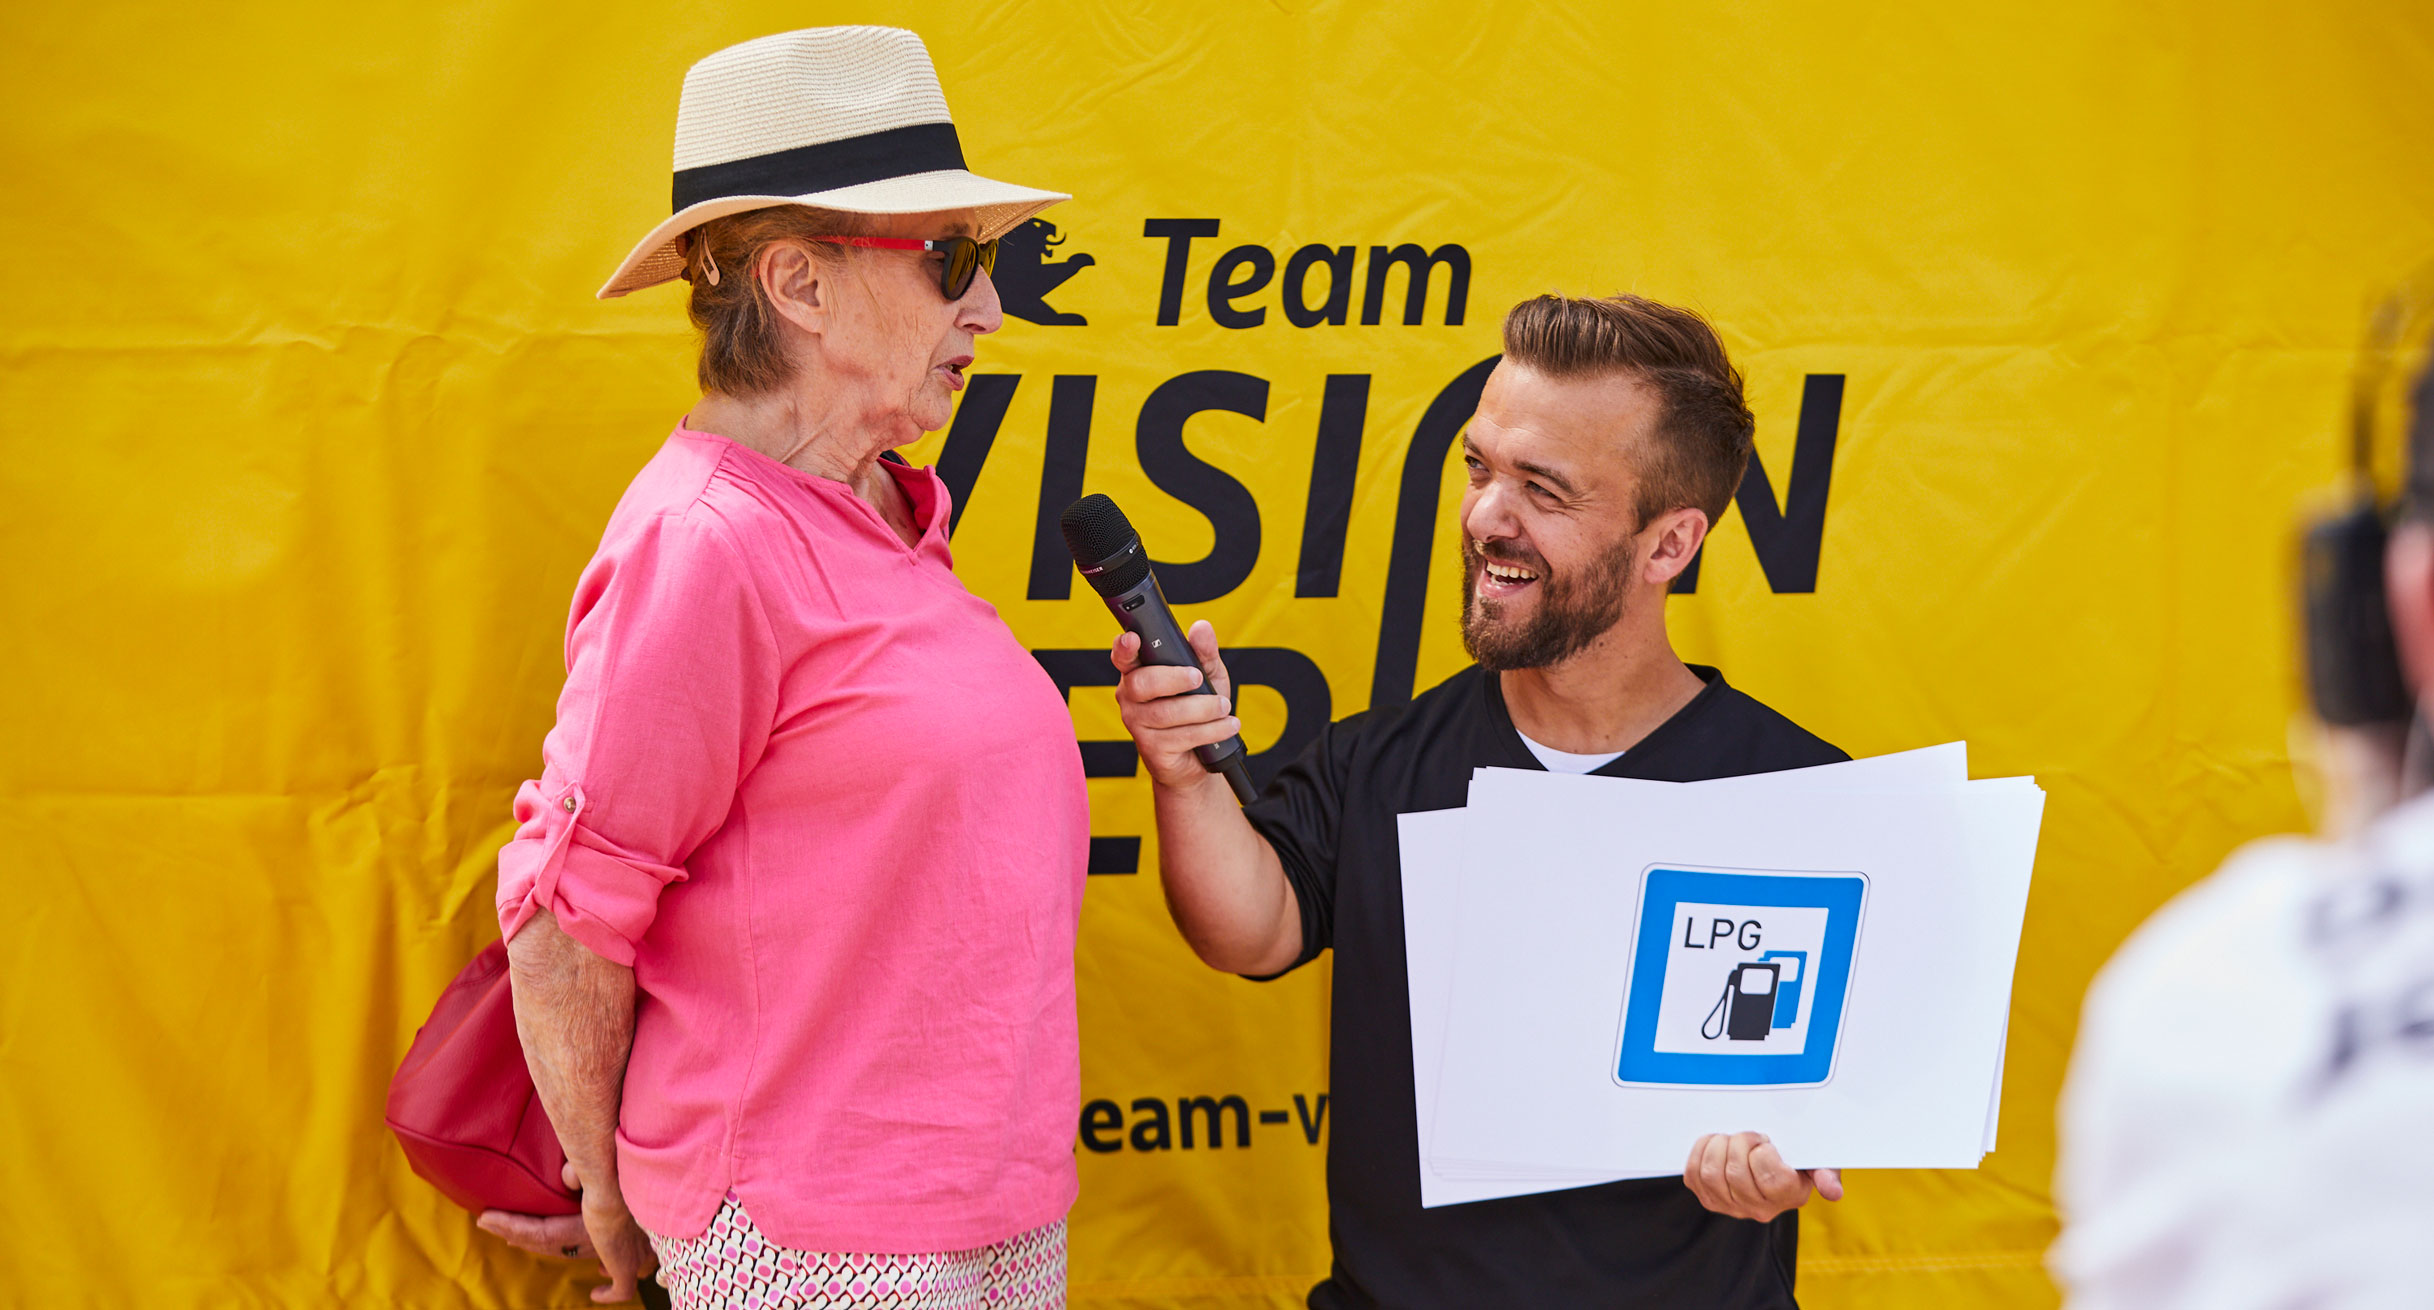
[1025,274]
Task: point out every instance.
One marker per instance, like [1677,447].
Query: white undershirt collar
[1556,761]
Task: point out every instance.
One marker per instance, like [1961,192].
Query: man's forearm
[575,1016]
[1224,885]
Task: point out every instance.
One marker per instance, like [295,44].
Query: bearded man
[1607,440]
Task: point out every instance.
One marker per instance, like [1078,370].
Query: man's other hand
[1164,722]
[1742,1175]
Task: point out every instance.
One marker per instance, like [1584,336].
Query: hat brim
[1000,207]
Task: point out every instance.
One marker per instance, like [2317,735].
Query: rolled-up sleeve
[671,688]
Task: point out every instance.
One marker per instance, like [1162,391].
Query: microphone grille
[1095,529]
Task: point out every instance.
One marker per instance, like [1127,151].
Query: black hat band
[827,166]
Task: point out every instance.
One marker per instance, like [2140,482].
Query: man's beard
[1572,612]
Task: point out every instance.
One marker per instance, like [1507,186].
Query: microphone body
[1112,560]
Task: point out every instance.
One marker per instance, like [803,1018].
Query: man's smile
[1500,579]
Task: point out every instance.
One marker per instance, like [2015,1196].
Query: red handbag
[463,1104]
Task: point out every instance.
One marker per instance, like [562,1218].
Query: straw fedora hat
[845,118]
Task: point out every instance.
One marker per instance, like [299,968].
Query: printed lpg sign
[1739,977]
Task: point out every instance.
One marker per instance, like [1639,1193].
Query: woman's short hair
[1704,430]
[743,344]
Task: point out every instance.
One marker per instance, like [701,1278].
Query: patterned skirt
[732,1266]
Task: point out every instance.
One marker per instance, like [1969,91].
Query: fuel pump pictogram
[1759,997]
[1746,1010]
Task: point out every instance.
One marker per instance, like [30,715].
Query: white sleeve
[2186,1042]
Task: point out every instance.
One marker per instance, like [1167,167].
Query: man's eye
[1542,491]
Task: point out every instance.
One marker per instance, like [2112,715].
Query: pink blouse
[832,813]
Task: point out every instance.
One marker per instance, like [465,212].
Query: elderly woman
[791,910]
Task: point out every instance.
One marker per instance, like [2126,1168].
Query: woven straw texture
[803,88]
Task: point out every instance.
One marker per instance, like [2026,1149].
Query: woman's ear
[796,285]
[1678,534]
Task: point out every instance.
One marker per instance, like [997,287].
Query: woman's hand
[557,1236]
[569,1237]
[625,1252]
[1743,1175]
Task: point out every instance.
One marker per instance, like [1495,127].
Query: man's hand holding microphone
[1110,555]
[1224,885]
[1168,725]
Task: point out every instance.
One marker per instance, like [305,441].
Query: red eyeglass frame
[965,257]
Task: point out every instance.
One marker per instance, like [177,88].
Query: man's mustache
[1503,554]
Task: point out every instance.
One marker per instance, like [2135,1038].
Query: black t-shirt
[1331,817]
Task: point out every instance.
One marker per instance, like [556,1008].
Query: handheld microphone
[1109,553]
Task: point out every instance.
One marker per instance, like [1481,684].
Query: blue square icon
[1739,977]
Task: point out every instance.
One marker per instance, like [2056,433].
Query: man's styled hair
[1703,432]
[743,350]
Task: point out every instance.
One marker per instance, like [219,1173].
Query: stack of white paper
[1604,969]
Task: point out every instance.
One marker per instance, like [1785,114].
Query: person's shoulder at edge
[1734,721]
[2256,883]
[2250,899]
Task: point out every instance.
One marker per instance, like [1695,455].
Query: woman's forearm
[575,1016]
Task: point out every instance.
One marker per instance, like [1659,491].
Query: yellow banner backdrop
[311,421]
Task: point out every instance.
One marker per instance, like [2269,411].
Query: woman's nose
[978,311]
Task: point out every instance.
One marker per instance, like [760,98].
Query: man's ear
[1674,541]
[796,285]
[2408,592]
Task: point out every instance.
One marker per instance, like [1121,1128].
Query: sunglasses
[965,257]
